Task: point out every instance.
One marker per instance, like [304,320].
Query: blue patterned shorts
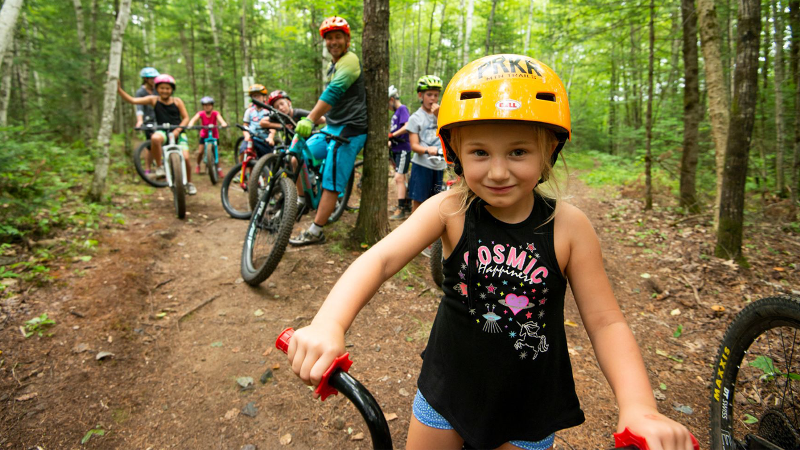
[429,417]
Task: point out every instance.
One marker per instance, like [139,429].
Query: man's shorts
[182,142]
[339,158]
[402,162]
[431,418]
[424,183]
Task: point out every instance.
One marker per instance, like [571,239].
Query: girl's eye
[519,152]
[479,152]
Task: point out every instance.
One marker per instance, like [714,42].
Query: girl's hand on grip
[660,432]
[312,350]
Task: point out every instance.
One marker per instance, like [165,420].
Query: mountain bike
[270,164]
[234,192]
[211,152]
[276,211]
[147,171]
[174,166]
[336,379]
[755,392]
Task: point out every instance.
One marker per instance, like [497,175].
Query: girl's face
[208,107]
[164,90]
[259,97]
[502,163]
[283,105]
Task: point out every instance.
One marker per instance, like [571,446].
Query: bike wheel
[234,192]
[436,263]
[211,165]
[140,162]
[269,231]
[260,177]
[178,192]
[341,202]
[755,398]
[236,149]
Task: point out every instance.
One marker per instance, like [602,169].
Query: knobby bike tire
[257,182]
[436,263]
[746,403]
[140,169]
[268,232]
[178,191]
[230,186]
[211,164]
[341,202]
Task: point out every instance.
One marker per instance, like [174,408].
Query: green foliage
[37,325]
[766,365]
[97,431]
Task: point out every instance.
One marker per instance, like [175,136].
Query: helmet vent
[470,95]
[546,96]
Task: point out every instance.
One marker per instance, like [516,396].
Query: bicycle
[755,392]
[234,192]
[211,152]
[273,162]
[174,166]
[274,215]
[147,171]
[336,379]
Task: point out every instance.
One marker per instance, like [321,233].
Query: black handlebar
[285,119]
[366,405]
[170,127]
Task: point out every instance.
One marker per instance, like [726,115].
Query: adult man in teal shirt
[344,105]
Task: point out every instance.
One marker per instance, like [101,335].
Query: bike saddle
[776,428]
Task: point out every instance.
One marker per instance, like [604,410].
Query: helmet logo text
[508,105]
[501,66]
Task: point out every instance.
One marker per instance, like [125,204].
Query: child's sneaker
[307,238]
[399,214]
[190,189]
[427,251]
[197,169]
[219,172]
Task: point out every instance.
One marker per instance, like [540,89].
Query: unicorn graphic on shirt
[529,337]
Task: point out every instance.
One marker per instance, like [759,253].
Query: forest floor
[172,379]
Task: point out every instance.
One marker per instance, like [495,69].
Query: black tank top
[496,365]
[167,113]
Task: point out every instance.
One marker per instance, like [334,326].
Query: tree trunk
[691,109]
[489,27]
[648,159]
[794,15]
[86,100]
[460,42]
[430,38]
[470,9]
[528,29]
[21,72]
[188,57]
[5,85]
[403,48]
[8,20]
[373,221]
[109,102]
[635,109]
[218,54]
[612,108]
[729,235]
[718,107]
[440,67]
[245,56]
[777,13]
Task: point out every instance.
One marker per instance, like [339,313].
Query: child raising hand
[496,372]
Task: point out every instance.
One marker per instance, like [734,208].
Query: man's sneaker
[427,251]
[190,189]
[399,214]
[160,173]
[306,238]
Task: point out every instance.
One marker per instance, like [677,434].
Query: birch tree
[109,102]
[468,32]
[718,109]
[5,86]
[86,102]
[218,57]
[8,21]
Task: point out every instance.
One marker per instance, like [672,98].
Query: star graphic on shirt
[541,302]
[461,274]
[472,311]
[541,314]
[479,241]
[528,315]
[483,296]
[512,334]
[514,288]
[505,282]
[531,247]
[544,291]
[464,266]
[491,288]
[521,284]
[523,355]
[502,293]
[537,255]
[477,321]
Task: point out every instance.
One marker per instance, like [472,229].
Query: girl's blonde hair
[545,143]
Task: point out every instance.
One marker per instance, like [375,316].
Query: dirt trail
[173,383]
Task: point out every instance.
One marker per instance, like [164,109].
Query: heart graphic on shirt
[515,303]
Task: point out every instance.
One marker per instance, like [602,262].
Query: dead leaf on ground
[570,323]
[26,397]
[231,414]
[286,439]
[276,366]
[718,308]
[357,437]
[267,351]
[390,417]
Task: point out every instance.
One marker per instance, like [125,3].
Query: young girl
[168,109]
[207,117]
[496,371]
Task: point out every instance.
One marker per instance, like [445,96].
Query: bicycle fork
[168,170]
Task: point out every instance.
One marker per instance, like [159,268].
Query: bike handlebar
[170,127]
[284,118]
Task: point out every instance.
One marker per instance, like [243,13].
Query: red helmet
[164,78]
[332,24]
[274,96]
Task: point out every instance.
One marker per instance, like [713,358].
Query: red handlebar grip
[628,438]
[324,389]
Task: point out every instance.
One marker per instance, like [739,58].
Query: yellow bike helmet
[504,87]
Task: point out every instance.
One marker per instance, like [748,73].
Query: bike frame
[211,140]
[166,151]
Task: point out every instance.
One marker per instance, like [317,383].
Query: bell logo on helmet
[513,67]
[508,105]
